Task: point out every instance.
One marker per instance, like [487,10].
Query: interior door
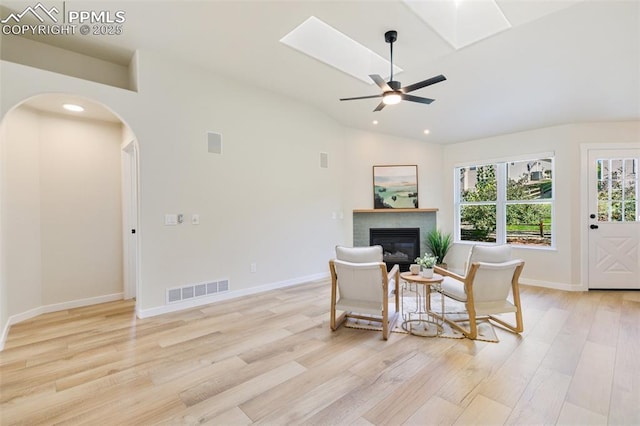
[614,219]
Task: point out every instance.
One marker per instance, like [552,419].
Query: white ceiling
[561,62]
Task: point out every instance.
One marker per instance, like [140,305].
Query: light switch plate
[195,219]
[170,219]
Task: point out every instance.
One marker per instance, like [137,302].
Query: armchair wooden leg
[471,332]
[473,328]
[517,328]
[336,322]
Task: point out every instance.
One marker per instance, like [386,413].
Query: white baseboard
[553,285]
[31,313]
[193,303]
[539,283]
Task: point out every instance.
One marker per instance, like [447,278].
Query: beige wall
[62,202]
[21,212]
[365,150]
[265,200]
[80,207]
[40,55]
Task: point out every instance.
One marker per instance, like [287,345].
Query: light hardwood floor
[272,359]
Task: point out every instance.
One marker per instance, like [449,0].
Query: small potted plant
[427,262]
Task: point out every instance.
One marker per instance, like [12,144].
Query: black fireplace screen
[400,245]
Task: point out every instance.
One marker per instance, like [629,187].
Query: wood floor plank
[574,415]
[415,392]
[591,384]
[542,400]
[267,403]
[298,410]
[509,381]
[218,403]
[483,411]
[271,358]
[625,405]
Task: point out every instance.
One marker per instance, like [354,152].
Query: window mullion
[501,209]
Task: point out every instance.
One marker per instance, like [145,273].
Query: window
[506,202]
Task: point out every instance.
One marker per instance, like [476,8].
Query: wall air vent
[214,143]
[324,160]
[195,291]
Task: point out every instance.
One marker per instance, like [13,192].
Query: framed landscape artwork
[395,187]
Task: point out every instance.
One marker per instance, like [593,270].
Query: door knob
[593,226]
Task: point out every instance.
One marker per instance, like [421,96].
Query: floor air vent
[178,294]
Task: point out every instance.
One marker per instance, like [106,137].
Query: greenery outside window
[618,190]
[506,202]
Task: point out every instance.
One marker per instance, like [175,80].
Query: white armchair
[361,286]
[491,278]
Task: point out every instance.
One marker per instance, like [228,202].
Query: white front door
[614,219]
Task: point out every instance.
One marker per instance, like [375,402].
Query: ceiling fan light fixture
[391,98]
[392,90]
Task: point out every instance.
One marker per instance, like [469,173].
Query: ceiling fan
[393,93]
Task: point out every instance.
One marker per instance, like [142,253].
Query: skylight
[321,41]
[461,22]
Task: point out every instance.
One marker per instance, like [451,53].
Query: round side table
[422,321]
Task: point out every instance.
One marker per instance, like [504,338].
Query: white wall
[21,213]
[80,208]
[559,268]
[265,200]
[365,150]
[62,211]
[40,55]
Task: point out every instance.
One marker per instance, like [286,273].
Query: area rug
[453,311]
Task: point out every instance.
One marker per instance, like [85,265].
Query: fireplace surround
[366,219]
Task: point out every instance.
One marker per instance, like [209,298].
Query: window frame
[501,202]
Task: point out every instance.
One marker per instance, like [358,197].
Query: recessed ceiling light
[73,107]
[323,42]
[427,131]
[375,121]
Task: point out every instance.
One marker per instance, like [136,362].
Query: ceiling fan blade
[380,106]
[416,99]
[361,97]
[380,82]
[424,83]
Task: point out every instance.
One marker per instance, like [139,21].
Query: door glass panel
[617,181]
[630,166]
[630,212]
[603,211]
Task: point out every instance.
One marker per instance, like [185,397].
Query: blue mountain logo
[38,11]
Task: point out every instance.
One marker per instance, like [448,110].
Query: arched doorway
[69,205]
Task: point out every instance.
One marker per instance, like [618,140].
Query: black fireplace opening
[400,246]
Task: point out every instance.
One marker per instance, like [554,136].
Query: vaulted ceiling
[560,62]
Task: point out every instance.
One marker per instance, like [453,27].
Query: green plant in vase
[427,262]
[439,243]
